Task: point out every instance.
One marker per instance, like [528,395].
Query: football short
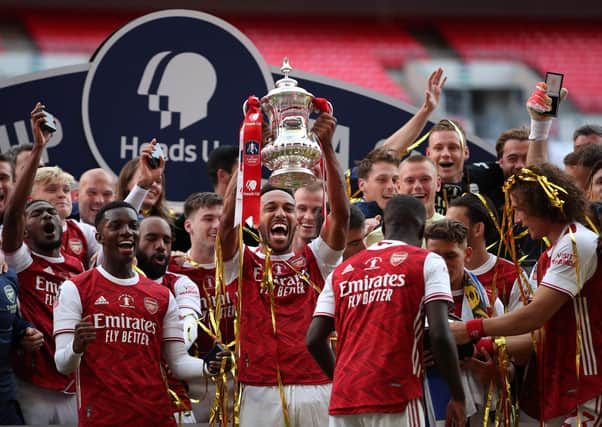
[184,417]
[590,414]
[205,394]
[44,406]
[413,416]
[307,405]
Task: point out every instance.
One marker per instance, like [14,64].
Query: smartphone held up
[154,161]
[554,84]
[49,124]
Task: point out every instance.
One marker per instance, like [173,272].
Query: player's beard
[153,271]
[46,245]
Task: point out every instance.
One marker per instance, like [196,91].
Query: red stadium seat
[354,51]
[574,49]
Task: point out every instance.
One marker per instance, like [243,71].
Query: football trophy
[291,151]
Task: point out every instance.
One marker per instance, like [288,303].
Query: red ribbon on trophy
[249,174]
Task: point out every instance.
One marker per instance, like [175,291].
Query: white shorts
[44,406]
[590,414]
[184,417]
[307,405]
[205,394]
[413,416]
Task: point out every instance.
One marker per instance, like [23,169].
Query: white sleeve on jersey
[67,314]
[515,300]
[231,266]
[136,197]
[561,275]
[498,307]
[326,257]
[90,234]
[436,279]
[189,301]
[20,259]
[173,329]
[183,366]
[326,305]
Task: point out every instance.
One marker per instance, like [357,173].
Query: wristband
[474,329]
[540,130]
[487,345]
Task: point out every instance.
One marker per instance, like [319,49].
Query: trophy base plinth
[292,178]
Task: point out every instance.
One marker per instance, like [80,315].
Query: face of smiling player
[421,181]
[446,151]
[278,220]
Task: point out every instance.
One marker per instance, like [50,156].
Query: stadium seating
[360,51]
[357,52]
[72,32]
[574,49]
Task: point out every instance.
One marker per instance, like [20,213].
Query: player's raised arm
[14,222]
[401,139]
[227,232]
[537,105]
[334,230]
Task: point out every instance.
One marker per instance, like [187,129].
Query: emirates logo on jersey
[126,301]
[151,305]
[397,258]
[76,246]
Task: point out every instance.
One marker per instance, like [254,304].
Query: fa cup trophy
[292,151]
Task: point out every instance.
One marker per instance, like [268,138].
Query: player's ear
[98,237]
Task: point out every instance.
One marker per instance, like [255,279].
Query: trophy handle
[245,105]
[322,105]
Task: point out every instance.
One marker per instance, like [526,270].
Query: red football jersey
[505,276]
[180,388]
[260,350]
[204,277]
[377,299]
[74,243]
[119,380]
[39,281]
[562,389]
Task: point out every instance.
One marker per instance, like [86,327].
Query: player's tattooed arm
[334,230]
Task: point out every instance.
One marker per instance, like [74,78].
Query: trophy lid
[287,84]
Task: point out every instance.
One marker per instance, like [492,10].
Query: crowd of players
[328,315]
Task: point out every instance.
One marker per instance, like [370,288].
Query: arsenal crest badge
[151,305]
[397,258]
[76,246]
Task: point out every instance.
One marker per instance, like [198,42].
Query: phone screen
[554,83]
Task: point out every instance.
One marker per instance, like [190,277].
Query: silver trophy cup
[291,151]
